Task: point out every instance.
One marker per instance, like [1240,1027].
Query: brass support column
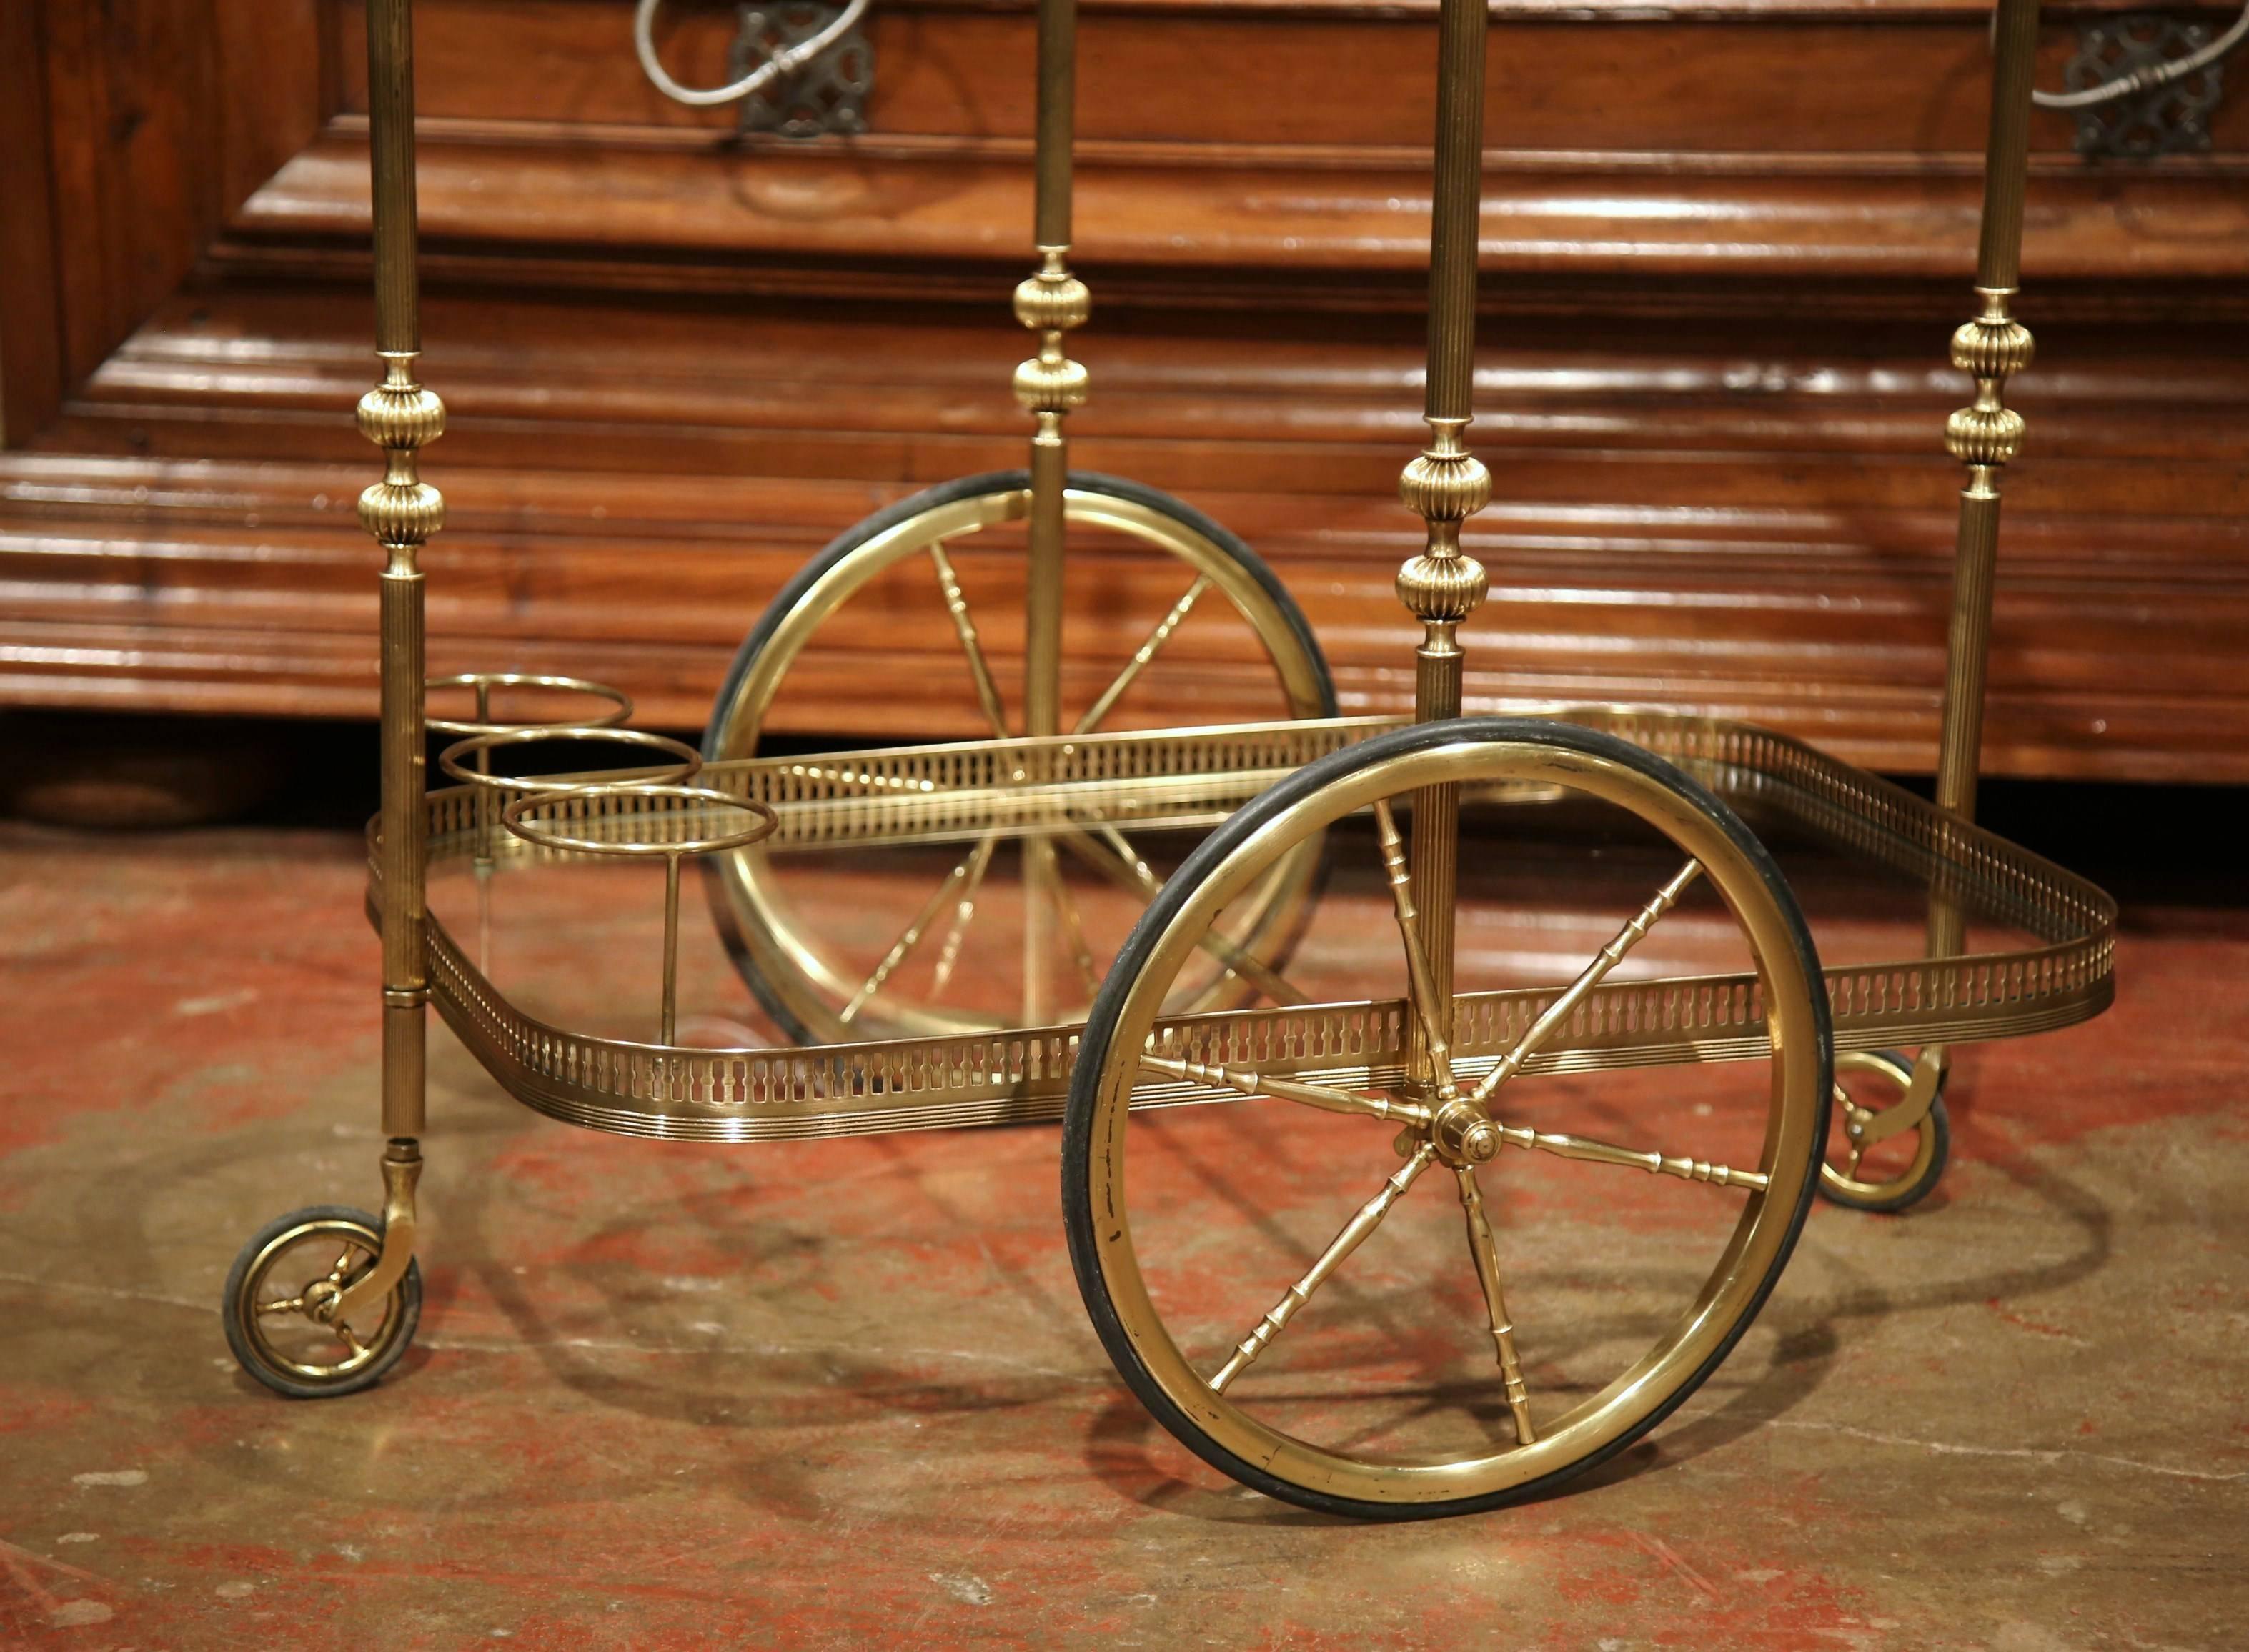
[1050,303]
[1986,435]
[400,511]
[1446,486]
[1049,385]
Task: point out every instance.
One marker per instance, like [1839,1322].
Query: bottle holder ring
[620,705]
[641,817]
[668,829]
[470,761]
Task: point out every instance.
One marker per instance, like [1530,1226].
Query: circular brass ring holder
[470,761]
[686,765]
[620,705]
[517,817]
[520,817]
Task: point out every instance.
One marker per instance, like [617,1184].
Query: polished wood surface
[1722,257]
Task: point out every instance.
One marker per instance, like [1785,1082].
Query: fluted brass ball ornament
[1445,485]
[401,412]
[1993,347]
[1051,303]
[1053,300]
[401,416]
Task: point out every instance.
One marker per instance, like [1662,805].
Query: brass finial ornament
[1445,486]
[1050,304]
[1990,349]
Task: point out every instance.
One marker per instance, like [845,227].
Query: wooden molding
[31,371]
[1722,257]
[1692,518]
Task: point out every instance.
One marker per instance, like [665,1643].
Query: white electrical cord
[2141,81]
[782,64]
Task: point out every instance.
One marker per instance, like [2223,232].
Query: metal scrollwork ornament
[825,93]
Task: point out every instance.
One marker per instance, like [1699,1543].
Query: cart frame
[1046,787]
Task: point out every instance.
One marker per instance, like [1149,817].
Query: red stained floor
[842,1394]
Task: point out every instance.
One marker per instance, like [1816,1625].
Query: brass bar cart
[1197,1005]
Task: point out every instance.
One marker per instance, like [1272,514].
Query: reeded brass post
[400,511]
[1986,435]
[1446,485]
[1050,303]
[1048,386]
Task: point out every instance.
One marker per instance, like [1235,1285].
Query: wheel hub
[1464,1134]
[322,1299]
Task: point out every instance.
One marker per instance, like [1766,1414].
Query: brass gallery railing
[1189,778]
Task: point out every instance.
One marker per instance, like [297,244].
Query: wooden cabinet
[1723,252]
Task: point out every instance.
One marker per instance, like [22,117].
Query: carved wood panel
[1722,257]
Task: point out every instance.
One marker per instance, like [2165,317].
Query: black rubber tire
[881,522]
[238,1342]
[1940,1126]
[1078,1213]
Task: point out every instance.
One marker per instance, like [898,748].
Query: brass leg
[670,1022]
[402,1175]
[400,511]
[1446,485]
[1984,437]
[1049,385]
[482,864]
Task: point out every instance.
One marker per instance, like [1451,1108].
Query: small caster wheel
[281,1297]
[1885,1177]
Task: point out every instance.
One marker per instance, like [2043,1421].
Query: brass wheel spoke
[910,937]
[1040,875]
[1485,1249]
[1566,1001]
[1434,1024]
[1073,933]
[964,626]
[1354,1234]
[342,1268]
[1110,696]
[286,1305]
[1590,1150]
[1112,855]
[349,1338]
[948,954]
[1327,1099]
[1143,874]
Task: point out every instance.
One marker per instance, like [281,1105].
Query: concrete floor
[842,1394]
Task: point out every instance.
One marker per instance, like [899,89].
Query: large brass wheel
[1608,1267]
[986,935]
